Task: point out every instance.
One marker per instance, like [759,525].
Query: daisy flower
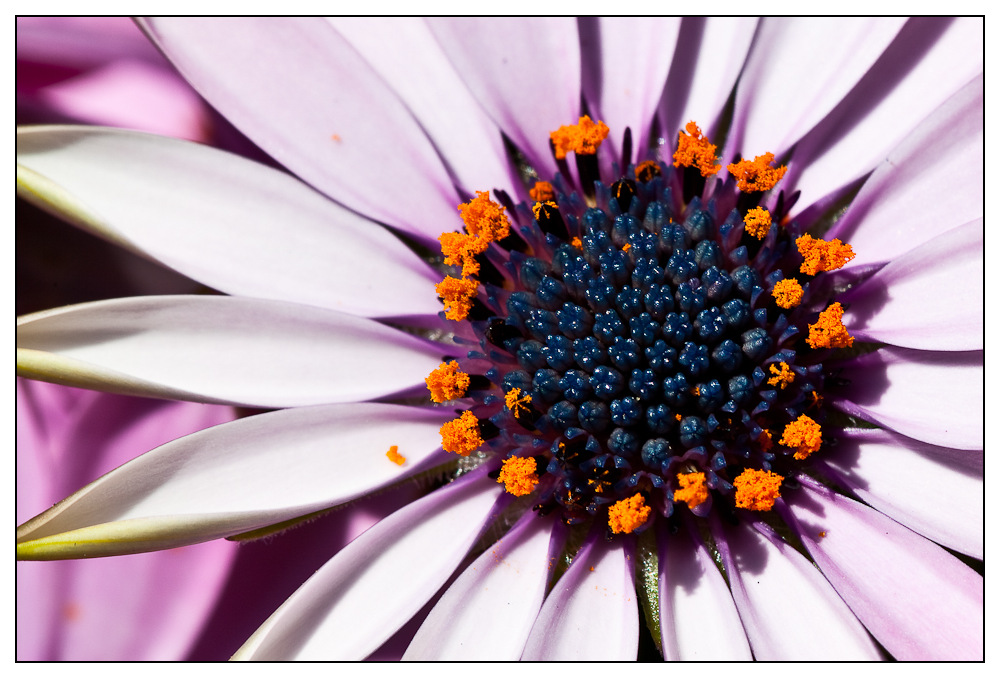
[675,362]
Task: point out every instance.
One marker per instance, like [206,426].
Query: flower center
[639,348]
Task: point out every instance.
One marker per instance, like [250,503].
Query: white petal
[487,613]
[790,612]
[232,224]
[375,584]
[222,349]
[237,477]
[592,613]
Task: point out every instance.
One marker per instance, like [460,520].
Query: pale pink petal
[222,349]
[930,59]
[698,618]
[372,587]
[799,69]
[230,223]
[592,613]
[525,74]
[789,611]
[487,613]
[421,75]
[238,477]
[298,90]
[930,298]
[710,53]
[919,601]
[625,64]
[935,491]
[936,397]
[929,184]
[82,42]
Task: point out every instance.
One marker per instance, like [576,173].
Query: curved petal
[487,613]
[698,618]
[374,585]
[319,109]
[235,478]
[625,64]
[797,71]
[710,53]
[232,224]
[420,74]
[936,397]
[524,73]
[599,585]
[918,600]
[929,61]
[930,298]
[899,477]
[789,611]
[929,184]
[222,349]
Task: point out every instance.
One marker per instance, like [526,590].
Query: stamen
[537,208]
[394,456]
[461,435]
[457,294]
[804,435]
[829,331]
[646,170]
[787,293]
[542,191]
[461,249]
[757,174]
[583,138]
[627,515]
[694,150]
[821,255]
[692,489]
[757,490]
[519,476]
[577,243]
[485,218]
[757,222]
[765,441]
[783,376]
[515,401]
[447,382]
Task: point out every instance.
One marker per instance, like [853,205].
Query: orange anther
[519,475]
[787,293]
[694,150]
[829,330]
[782,375]
[804,435]
[691,489]
[485,218]
[542,191]
[646,170]
[626,247]
[765,441]
[583,138]
[457,294]
[756,490]
[516,401]
[394,456]
[461,435]
[821,255]
[628,515]
[536,209]
[460,249]
[577,243]
[447,382]
[757,222]
[757,174]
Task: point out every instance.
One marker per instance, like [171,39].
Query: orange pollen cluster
[542,191]
[447,382]
[756,490]
[787,293]
[692,489]
[460,249]
[646,170]
[757,174]
[764,440]
[583,138]
[694,150]
[536,209]
[821,255]
[461,435]
[804,435]
[782,375]
[519,476]
[394,456]
[457,294]
[516,402]
[485,218]
[577,243]
[757,222]
[628,515]
[829,330]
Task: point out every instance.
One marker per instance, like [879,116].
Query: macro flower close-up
[671,327]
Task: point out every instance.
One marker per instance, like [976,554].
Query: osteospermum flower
[620,444]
